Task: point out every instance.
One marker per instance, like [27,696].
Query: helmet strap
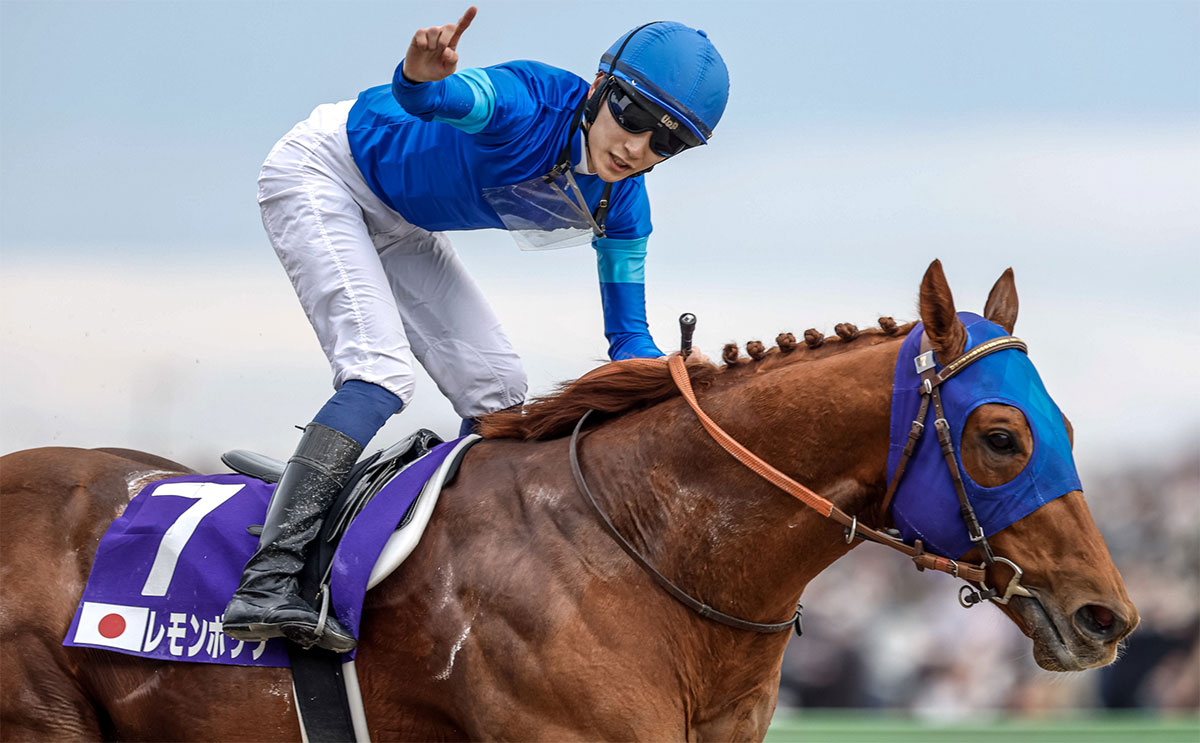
[600,213]
[592,109]
[585,113]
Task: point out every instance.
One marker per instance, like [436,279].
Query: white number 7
[208,496]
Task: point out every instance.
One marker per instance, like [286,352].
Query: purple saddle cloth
[167,566]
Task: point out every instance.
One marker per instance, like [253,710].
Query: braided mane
[622,386]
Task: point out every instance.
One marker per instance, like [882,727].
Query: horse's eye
[1002,441]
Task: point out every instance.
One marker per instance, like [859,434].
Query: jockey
[356,199]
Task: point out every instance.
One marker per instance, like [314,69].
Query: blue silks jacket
[429,149]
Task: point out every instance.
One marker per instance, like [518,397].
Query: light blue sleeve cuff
[483,106]
[621,264]
[465,100]
[621,261]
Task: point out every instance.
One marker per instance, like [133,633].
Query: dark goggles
[636,114]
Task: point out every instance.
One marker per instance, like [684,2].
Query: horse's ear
[1001,305]
[945,331]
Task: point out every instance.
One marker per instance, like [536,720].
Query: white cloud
[183,357]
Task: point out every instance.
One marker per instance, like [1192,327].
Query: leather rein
[931,381]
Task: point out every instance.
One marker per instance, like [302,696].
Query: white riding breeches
[377,289]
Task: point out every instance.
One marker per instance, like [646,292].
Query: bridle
[931,382]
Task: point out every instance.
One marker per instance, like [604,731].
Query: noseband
[931,381]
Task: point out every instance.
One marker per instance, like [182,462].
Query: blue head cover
[925,505]
[678,68]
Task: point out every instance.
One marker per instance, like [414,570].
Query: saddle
[326,688]
[367,478]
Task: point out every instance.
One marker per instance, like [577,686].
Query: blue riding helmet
[925,505]
[677,68]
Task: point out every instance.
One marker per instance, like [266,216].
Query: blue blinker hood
[925,505]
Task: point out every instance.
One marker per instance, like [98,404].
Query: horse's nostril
[1098,621]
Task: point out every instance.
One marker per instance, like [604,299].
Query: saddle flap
[367,478]
[252,464]
[376,472]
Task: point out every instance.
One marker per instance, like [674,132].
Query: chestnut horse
[519,617]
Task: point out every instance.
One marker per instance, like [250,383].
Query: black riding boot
[265,605]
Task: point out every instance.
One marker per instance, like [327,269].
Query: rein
[678,593]
[931,381]
[924,560]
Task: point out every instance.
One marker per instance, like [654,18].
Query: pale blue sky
[146,121]
[140,304]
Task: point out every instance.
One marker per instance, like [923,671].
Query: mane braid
[817,345]
[634,384]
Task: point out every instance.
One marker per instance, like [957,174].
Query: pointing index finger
[462,25]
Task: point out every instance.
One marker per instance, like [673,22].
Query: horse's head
[1014,447]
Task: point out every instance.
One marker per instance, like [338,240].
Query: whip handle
[687,326]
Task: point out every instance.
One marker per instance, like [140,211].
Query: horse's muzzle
[1086,638]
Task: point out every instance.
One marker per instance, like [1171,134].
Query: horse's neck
[735,541]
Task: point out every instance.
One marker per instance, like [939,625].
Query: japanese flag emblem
[112,625]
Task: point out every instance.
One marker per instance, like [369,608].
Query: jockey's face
[614,153]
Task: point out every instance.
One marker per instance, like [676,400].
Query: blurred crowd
[878,634]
